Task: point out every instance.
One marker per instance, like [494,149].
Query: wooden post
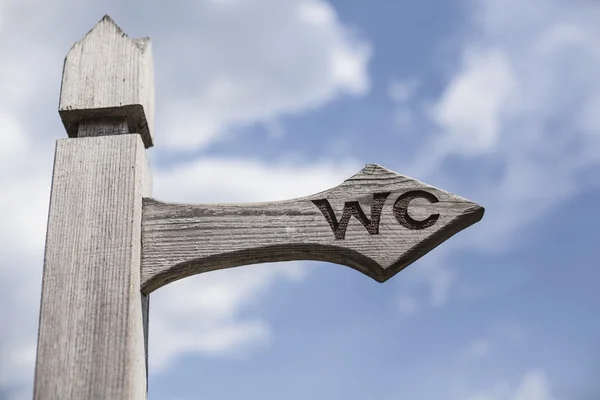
[92,341]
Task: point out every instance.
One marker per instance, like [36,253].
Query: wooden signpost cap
[107,75]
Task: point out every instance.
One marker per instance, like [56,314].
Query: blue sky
[494,100]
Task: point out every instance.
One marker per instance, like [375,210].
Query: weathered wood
[376,222]
[93,334]
[91,342]
[103,127]
[108,74]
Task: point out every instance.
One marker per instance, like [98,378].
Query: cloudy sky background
[495,100]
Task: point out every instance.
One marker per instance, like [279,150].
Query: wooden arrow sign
[376,222]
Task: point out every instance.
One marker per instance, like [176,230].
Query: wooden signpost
[109,244]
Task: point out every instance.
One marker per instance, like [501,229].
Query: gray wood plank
[108,74]
[376,222]
[103,127]
[91,342]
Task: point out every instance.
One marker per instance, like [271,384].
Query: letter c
[401,210]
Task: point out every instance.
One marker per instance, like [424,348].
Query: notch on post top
[109,76]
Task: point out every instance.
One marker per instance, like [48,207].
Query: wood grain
[91,342]
[108,74]
[103,127]
[376,222]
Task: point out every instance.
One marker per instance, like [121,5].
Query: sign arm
[407,219]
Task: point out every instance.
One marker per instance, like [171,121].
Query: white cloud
[296,57]
[25,179]
[20,359]
[527,92]
[207,314]
[316,12]
[534,386]
[524,99]
[231,180]
[20,284]
[471,107]
[12,139]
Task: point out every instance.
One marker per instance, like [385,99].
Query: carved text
[400,210]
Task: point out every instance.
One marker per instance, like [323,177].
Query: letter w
[352,208]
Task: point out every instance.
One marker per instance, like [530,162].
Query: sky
[497,101]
